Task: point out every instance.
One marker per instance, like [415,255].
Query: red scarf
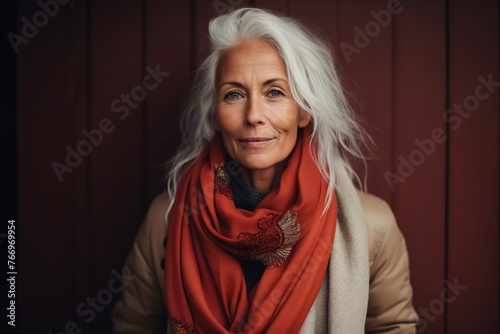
[207,237]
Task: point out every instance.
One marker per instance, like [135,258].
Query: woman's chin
[252,166]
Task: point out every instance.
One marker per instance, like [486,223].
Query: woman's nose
[254,115]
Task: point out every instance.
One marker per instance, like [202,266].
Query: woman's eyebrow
[240,85]
[270,81]
[232,83]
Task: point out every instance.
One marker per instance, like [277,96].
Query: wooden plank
[45,127]
[169,36]
[81,194]
[473,174]
[419,202]
[117,91]
[364,53]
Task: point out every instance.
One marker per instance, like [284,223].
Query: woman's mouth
[255,141]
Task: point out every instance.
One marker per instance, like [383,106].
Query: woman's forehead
[251,58]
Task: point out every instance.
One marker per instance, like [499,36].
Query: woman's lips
[255,142]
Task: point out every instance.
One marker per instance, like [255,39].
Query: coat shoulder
[375,209]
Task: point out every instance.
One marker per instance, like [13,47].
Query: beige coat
[384,305]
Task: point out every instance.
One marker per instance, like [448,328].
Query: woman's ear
[304,119]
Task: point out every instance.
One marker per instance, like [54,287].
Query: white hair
[313,82]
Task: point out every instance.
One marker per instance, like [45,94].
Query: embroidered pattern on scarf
[273,243]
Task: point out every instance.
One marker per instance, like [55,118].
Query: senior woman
[262,229]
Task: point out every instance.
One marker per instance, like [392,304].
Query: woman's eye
[275,93]
[232,96]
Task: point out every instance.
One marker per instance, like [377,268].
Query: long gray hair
[313,82]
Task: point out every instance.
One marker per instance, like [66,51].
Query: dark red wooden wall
[410,67]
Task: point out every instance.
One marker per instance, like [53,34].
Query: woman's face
[256,112]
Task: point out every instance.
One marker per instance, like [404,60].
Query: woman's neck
[263,180]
